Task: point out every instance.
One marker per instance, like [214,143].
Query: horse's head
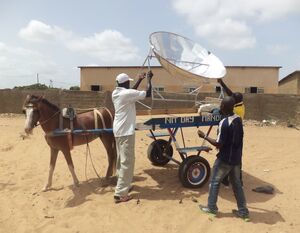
[31,111]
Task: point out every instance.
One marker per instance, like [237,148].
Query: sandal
[119,199]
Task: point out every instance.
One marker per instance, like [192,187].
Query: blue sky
[54,37]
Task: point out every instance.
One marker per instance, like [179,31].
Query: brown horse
[38,109]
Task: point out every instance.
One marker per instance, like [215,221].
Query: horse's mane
[50,104]
[45,101]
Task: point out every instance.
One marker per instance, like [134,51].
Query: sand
[161,203]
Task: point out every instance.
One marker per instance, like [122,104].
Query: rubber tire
[184,171]
[155,150]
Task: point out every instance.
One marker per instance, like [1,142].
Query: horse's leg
[68,158]
[53,157]
[110,146]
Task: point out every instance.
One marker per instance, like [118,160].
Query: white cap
[122,78]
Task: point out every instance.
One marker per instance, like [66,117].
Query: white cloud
[227,23]
[20,65]
[37,31]
[109,46]
[269,9]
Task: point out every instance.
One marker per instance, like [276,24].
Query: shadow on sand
[168,187]
[93,186]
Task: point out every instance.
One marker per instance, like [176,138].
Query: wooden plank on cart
[158,134]
[194,148]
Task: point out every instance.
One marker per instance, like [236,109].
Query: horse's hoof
[46,188]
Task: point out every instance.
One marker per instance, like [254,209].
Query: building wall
[285,108]
[237,78]
[11,101]
[290,84]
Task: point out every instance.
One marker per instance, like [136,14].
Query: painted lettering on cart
[211,118]
[175,120]
[189,119]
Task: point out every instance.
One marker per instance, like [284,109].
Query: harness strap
[111,117]
[111,120]
[98,113]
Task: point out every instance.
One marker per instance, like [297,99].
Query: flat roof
[278,67]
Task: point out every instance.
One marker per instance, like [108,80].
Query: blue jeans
[220,170]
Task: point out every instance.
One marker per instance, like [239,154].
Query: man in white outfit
[124,100]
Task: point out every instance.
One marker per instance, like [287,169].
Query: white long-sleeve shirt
[125,112]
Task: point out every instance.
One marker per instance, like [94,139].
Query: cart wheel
[156,150]
[194,171]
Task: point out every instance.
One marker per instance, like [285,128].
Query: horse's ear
[35,99]
[25,102]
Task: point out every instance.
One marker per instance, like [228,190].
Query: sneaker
[208,211]
[245,217]
[119,199]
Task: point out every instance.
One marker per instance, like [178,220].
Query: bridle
[45,121]
[34,108]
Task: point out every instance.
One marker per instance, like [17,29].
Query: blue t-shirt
[230,136]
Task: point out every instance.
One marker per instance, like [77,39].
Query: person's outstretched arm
[210,140]
[227,90]
[149,84]
[141,78]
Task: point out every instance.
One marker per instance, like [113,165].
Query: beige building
[245,79]
[290,84]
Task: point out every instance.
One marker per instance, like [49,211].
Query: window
[256,90]
[218,89]
[253,89]
[189,89]
[96,88]
[159,89]
[260,90]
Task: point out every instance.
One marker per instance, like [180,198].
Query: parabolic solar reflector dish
[181,56]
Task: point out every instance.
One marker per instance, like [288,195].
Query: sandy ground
[271,156]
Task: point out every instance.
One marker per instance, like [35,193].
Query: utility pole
[51,83]
[37,78]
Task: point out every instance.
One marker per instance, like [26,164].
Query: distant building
[245,79]
[290,84]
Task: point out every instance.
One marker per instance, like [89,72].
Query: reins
[88,153]
[45,121]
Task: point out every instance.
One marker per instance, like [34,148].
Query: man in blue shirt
[239,109]
[230,144]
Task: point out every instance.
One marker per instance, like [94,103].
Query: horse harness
[70,113]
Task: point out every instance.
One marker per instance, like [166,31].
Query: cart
[194,170]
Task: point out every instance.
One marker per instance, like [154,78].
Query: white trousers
[125,163]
